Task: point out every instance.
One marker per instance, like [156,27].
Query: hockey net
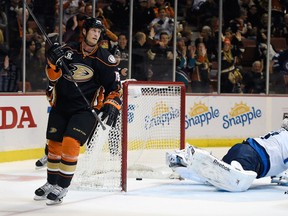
[152,121]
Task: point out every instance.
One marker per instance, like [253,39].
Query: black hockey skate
[56,195]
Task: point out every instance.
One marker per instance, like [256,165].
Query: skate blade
[54,202]
[40,167]
[39,198]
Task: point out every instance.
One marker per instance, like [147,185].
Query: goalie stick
[65,67]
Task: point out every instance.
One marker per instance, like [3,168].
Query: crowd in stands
[243,51]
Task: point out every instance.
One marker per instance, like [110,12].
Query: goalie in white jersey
[244,162]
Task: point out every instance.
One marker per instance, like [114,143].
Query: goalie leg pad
[189,174]
[218,173]
[178,162]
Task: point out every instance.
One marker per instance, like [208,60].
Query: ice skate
[280,179]
[42,192]
[42,162]
[56,195]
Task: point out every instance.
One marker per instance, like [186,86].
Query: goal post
[152,121]
[148,108]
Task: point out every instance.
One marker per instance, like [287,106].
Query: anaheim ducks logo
[52,130]
[80,73]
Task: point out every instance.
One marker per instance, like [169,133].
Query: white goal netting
[151,123]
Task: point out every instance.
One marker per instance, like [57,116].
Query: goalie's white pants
[218,173]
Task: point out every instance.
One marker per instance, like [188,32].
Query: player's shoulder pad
[106,57]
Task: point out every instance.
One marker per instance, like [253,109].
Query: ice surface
[151,197]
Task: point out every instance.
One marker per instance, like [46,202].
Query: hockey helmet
[91,22]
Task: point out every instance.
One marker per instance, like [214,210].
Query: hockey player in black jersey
[83,77]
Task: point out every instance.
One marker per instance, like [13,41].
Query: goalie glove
[55,55]
[110,109]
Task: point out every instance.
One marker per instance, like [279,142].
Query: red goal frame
[125,120]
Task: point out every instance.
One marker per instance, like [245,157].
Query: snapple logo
[241,114]
[200,114]
[161,115]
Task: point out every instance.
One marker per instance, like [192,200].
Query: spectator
[100,15]
[3,19]
[263,27]
[13,39]
[230,76]
[161,58]
[279,81]
[283,29]
[120,52]
[74,28]
[253,17]
[162,23]
[140,69]
[231,10]
[35,66]
[57,28]
[188,34]
[254,81]
[277,13]
[108,36]
[200,77]
[164,4]
[184,63]
[189,14]
[207,10]
[143,15]
[8,72]
[71,8]
[45,12]
[209,41]
[262,40]
[119,16]
[246,4]
[236,44]
[240,24]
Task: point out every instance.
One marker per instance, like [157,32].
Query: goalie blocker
[199,165]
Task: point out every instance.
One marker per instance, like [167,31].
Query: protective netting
[153,127]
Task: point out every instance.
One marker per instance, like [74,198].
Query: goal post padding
[152,121]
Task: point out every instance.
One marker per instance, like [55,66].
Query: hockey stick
[65,67]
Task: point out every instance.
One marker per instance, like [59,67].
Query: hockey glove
[111,110]
[55,54]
